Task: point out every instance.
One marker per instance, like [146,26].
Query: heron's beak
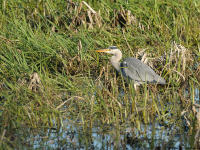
[103,50]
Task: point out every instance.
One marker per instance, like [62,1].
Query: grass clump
[49,72]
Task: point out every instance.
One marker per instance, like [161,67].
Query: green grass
[41,37]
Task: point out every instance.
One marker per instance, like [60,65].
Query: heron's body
[132,68]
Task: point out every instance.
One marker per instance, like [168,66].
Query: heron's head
[110,50]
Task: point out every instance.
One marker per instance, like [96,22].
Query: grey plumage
[139,72]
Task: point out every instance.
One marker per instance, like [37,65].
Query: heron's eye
[113,47]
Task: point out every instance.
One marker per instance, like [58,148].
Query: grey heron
[132,68]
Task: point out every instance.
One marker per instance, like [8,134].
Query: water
[156,134]
[72,136]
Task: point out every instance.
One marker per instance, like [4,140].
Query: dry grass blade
[127,41]
[94,12]
[183,112]
[34,82]
[113,98]
[78,97]
[144,58]
[98,19]
[179,49]
[194,110]
[73,143]
[3,134]
[79,47]
[197,136]
[80,18]
[196,105]
[90,16]
[99,77]
[188,122]
[198,118]
[123,18]
[179,74]
[22,79]
[130,18]
[80,7]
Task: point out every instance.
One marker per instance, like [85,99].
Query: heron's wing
[138,71]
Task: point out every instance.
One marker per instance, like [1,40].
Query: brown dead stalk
[93,17]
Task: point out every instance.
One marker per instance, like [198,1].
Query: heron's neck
[116,65]
[115,60]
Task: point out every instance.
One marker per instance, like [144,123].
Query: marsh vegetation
[56,92]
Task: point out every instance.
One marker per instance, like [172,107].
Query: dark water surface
[154,135]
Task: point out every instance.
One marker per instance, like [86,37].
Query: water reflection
[72,136]
[158,134]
